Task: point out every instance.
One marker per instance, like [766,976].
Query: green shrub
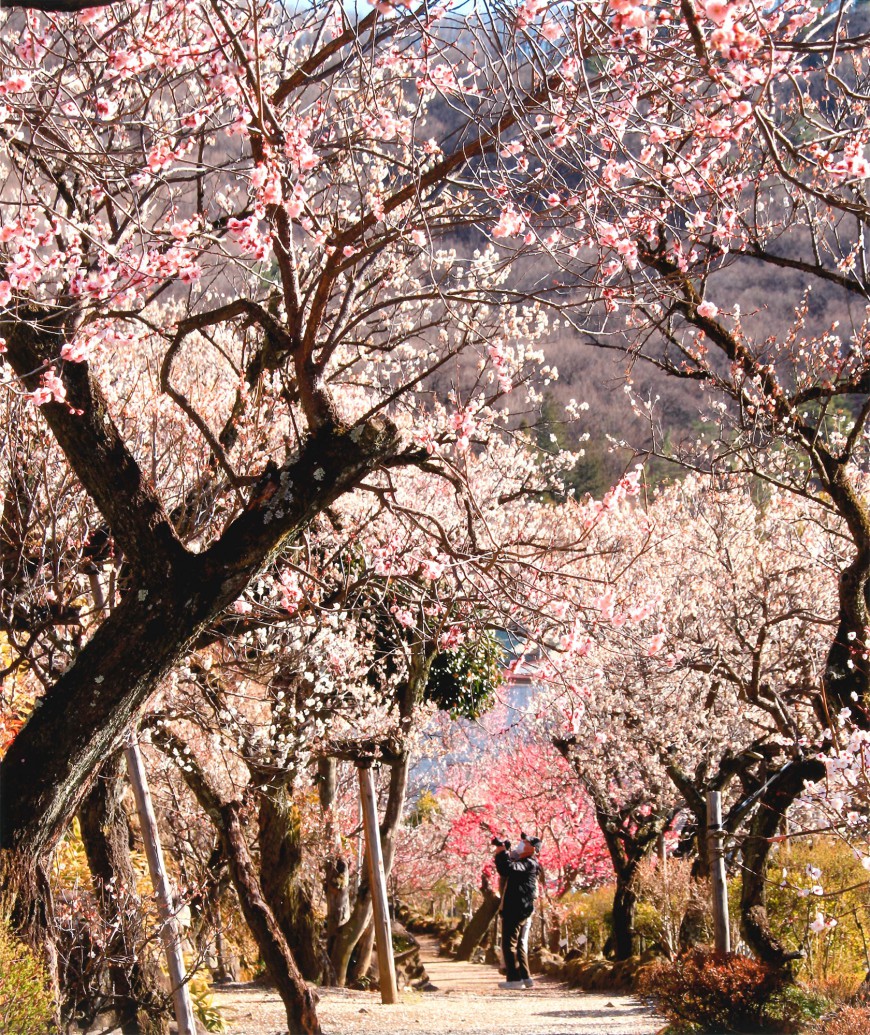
[706,992]
[795,1006]
[26,1002]
[649,923]
[463,682]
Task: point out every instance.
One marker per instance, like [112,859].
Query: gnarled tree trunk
[173,595]
[299,1001]
[336,871]
[630,836]
[139,999]
[624,941]
[846,679]
[480,922]
[773,804]
[286,888]
[361,958]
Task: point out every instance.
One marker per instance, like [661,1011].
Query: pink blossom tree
[223,207]
[695,669]
[719,237]
[247,206]
[499,779]
[338,653]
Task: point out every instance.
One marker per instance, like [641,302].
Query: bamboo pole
[378,884]
[718,880]
[169,931]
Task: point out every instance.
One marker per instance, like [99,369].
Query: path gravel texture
[466,1000]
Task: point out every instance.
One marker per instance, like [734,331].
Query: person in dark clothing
[519,871]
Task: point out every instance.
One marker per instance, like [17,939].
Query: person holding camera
[520,871]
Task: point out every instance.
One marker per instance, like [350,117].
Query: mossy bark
[286,887]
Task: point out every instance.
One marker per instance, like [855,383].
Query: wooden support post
[360,846]
[378,884]
[169,931]
[718,880]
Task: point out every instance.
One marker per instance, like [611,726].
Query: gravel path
[466,1000]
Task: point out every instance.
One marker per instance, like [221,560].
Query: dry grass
[851,1020]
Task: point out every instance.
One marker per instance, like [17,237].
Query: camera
[498,843]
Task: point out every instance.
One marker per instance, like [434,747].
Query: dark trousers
[514,945]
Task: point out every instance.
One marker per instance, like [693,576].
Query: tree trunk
[480,922]
[286,889]
[628,843]
[227,969]
[772,806]
[174,594]
[695,928]
[139,1000]
[624,910]
[694,833]
[408,698]
[205,911]
[361,959]
[846,679]
[298,999]
[350,932]
[336,871]
[630,837]
[493,955]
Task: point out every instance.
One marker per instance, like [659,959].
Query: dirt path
[467,1000]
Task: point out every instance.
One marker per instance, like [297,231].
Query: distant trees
[746,157]
[498,778]
[696,669]
[726,140]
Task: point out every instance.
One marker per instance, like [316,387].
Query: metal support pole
[169,931]
[378,884]
[715,833]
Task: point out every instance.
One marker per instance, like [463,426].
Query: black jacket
[522,884]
